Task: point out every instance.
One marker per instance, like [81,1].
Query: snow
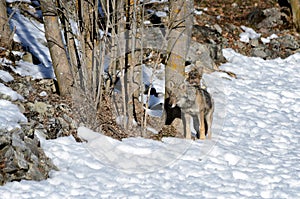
[31,34]
[198,12]
[268,39]
[248,34]
[145,155]
[254,152]
[11,93]
[10,115]
[147,22]
[161,14]
[5,76]
[35,71]
[13,1]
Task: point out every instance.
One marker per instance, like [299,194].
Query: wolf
[195,103]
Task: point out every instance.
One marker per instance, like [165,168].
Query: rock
[7,155]
[27,57]
[256,16]
[22,158]
[212,39]
[155,38]
[231,28]
[275,45]
[178,125]
[18,139]
[239,44]
[35,173]
[64,125]
[4,140]
[288,41]
[41,131]
[33,144]
[20,161]
[200,53]
[5,97]
[63,107]
[259,52]
[41,107]
[254,42]
[47,85]
[20,106]
[218,28]
[73,124]
[273,17]
[23,88]
[30,106]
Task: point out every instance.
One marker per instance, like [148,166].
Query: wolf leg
[187,128]
[209,119]
[202,125]
[196,126]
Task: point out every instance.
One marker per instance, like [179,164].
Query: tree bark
[295,5]
[179,33]
[178,36]
[57,51]
[180,30]
[5,40]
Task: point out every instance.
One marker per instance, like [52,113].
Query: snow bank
[5,76]
[254,152]
[10,116]
[248,34]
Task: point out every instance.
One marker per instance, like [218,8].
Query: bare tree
[295,4]
[5,33]
[84,34]
[58,54]
[180,31]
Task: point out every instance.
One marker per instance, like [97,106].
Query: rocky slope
[220,24]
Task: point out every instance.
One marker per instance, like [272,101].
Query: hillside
[254,151]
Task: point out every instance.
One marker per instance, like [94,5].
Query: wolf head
[183,95]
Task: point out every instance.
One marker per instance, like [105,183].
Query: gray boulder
[22,158]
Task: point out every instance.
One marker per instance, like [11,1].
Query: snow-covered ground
[254,152]
[30,34]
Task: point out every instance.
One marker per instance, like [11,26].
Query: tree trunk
[58,54]
[179,35]
[295,4]
[180,30]
[5,40]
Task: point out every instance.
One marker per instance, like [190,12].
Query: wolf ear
[170,84]
[182,87]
